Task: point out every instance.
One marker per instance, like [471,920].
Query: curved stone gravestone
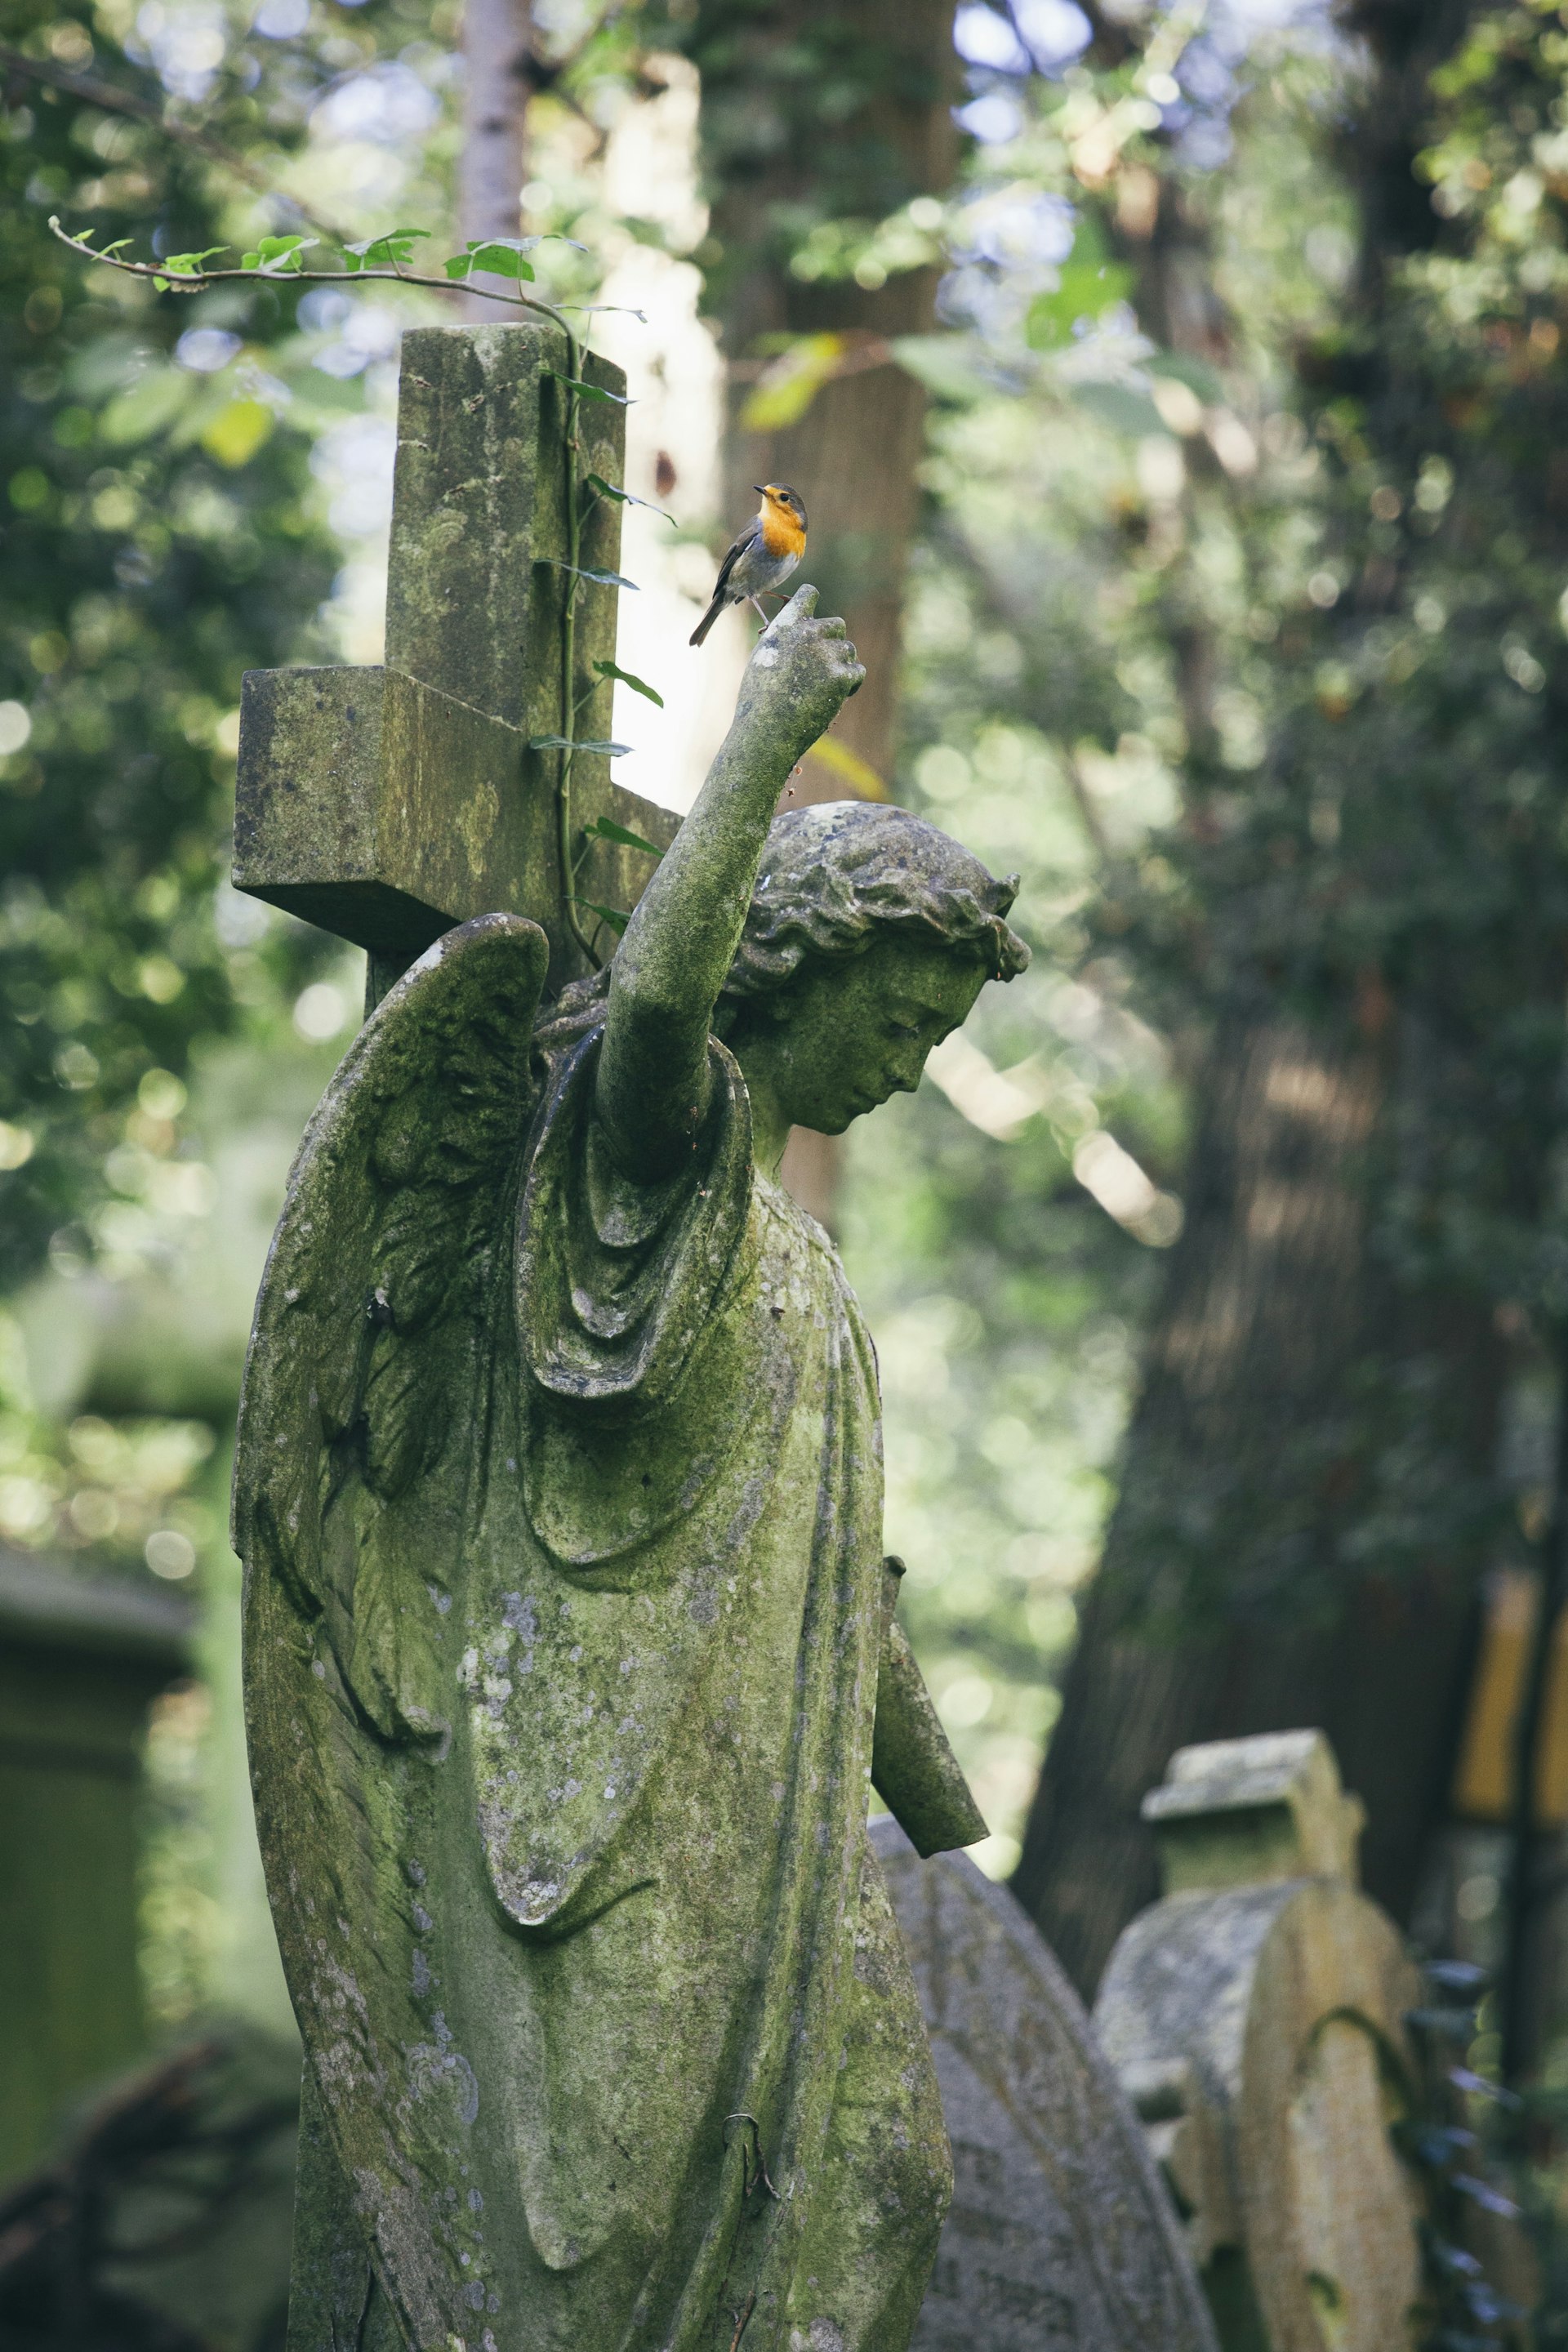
[1060,2233]
[1257,2018]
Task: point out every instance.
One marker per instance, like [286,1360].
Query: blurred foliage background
[1183,391]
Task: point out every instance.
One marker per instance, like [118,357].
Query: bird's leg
[763,617]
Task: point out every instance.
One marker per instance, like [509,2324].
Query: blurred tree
[158,539]
[1367,919]
[498,74]
[820,124]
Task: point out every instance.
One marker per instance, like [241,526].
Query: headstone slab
[1237,1813]
[1256,2018]
[1061,2234]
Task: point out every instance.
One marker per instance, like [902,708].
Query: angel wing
[366,1389]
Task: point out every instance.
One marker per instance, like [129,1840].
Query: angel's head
[870,935]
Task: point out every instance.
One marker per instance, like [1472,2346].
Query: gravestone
[80,1661]
[388,804]
[1061,2234]
[1256,2017]
[558,1484]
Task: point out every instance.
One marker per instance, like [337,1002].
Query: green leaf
[146,407]
[1195,374]
[638,685]
[585,391]
[1119,407]
[626,498]
[177,265]
[180,264]
[391,251]
[581,571]
[1088,284]
[949,366]
[605,828]
[791,382]
[277,254]
[501,256]
[616,916]
[567,743]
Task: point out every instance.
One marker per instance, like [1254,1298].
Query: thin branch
[178,281]
[115,100]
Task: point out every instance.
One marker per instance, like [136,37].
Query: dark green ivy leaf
[638,685]
[565,743]
[626,498]
[605,828]
[616,916]
[581,571]
[585,391]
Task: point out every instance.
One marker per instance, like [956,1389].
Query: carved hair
[835,876]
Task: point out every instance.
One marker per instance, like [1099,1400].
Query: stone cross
[386,804]
[1256,2018]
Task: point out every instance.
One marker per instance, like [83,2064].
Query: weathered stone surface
[912,1767]
[478,523]
[382,810]
[388,804]
[1061,2234]
[559,1494]
[1237,1813]
[1256,2017]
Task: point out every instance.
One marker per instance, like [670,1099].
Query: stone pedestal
[79,1664]
[1256,2018]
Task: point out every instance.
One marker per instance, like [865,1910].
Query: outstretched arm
[679,944]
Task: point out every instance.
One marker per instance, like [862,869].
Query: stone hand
[802,672]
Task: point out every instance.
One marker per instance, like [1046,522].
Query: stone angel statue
[569,1655]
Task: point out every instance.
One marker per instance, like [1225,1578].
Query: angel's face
[845,1036]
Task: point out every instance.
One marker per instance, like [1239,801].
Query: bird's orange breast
[782,535]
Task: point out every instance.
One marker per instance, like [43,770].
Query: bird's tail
[706,623]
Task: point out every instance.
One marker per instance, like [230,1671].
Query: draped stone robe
[560,1499]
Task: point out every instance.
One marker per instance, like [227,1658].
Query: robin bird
[762,557]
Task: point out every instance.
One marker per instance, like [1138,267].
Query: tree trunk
[497,36]
[888,136]
[1225,1603]
[1255,1575]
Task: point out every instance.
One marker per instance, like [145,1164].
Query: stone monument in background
[1257,2018]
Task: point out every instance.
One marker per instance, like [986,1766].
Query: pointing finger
[801,607]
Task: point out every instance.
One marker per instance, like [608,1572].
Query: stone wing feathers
[376,1286]
[362,1429]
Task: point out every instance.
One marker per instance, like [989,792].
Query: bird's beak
[761,489]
